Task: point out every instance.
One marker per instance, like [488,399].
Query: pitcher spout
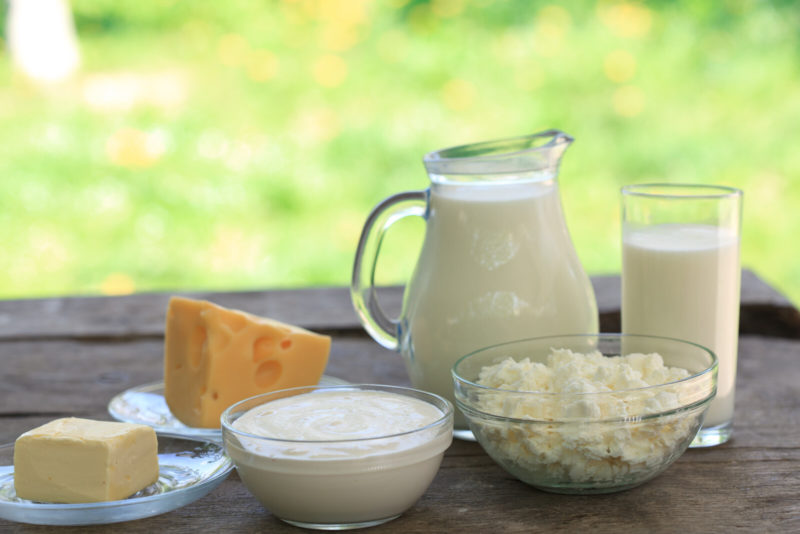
[499,160]
[558,143]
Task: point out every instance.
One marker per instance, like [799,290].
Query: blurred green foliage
[237,144]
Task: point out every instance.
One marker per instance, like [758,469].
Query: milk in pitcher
[497,265]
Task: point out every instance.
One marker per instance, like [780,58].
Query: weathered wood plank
[764,311]
[143,314]
[747,485]
[692,496]
[79,378]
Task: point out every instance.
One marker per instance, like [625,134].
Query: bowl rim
[468,410]
[226,420]
[711,369]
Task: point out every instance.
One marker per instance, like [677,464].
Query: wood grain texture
[747,485]
[763,311]
[79,377]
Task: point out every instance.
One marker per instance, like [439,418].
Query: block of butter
[215,357]
[75,460]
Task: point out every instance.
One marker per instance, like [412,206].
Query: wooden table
[69,356]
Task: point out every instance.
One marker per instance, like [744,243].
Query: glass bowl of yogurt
[586,414]
[338,457]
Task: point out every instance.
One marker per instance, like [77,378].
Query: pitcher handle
[383,329]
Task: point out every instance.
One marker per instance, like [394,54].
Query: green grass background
[256,136]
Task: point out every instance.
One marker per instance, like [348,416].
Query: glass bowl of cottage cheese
[338,457]
[586,414]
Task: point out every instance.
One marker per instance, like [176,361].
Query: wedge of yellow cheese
[75,460]
[215,357]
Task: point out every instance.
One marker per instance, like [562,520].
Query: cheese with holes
[215,357]
[75,460]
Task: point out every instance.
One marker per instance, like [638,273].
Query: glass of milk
[681,276]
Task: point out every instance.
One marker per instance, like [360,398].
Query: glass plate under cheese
[145,405]
[188,470]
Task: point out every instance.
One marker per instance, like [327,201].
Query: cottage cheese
[602,434]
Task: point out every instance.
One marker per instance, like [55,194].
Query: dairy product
[339,416]
[214,357]
[497,264]
[682,281]
[592,434]
[343,456]
[75,460]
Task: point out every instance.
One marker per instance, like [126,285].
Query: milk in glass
[682,281]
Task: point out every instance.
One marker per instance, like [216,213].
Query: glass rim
[597,394]
[682,191]
[445,406]
[465,407]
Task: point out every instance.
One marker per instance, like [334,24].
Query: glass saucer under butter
[188,470]
[145,405]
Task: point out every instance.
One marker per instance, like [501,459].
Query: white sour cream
[340,457]
[337,416]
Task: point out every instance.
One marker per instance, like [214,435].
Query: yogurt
[339,456]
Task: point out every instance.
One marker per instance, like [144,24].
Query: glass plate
[145,405]
[188,470]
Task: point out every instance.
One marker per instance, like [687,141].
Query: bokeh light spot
[555,15]
[198,33]
[529,79]
[420,19]
[552,24]
[122,91]
[262,65]
[232,49]
[447,8]
[107,199]
[239,156]
[129,147]
[48,249]
[458,94]
[212,144]
[117,284]
[515,47]
[628,101]
[619,66]
[313,126]
[392,45]
[34,196]
[330,70]
[150,226]
[349,223]
[625,19]
[233,248]
[341,11]
[340,37]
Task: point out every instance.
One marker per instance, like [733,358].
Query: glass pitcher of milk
[497,262]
